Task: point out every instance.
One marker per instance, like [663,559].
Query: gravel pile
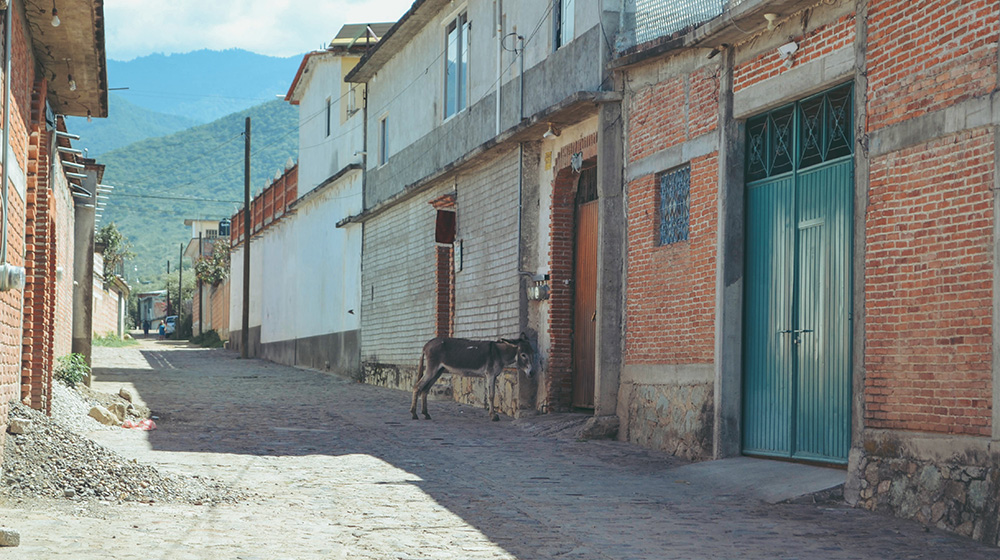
[70,410]
[54,462]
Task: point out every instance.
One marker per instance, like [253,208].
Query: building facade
[811,264]
[38,187]
[483,120]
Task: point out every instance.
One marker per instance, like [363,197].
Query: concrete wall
[422,140]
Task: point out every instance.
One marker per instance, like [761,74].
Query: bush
[208,339]
[72,369]
[112,340]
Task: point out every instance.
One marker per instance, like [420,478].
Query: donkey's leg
[434,375]
[491,387]
[416,388]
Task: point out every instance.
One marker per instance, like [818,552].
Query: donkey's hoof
[427,416]
[415,417]
[495,418]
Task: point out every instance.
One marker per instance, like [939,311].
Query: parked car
[170,325]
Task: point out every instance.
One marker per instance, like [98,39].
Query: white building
[305,272]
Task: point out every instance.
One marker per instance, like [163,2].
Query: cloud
[271,27]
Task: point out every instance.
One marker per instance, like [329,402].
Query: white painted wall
[320,155]
[313,273]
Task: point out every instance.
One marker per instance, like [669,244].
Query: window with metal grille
[674,210]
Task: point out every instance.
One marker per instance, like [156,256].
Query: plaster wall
[408,91]
[62,202]
[322,155]
[310,278]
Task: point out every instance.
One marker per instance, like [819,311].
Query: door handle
[795,331]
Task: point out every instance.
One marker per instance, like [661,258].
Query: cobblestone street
[338,470]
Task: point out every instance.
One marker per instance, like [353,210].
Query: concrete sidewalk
[338,470]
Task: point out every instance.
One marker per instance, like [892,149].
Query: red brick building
[811,261]
[39,184]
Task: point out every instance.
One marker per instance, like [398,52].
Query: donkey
[471,357]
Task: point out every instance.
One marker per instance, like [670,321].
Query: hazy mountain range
[173,143]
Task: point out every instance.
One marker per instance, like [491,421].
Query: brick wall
[814,44]
[23,65]
[672,111]
[65,214]
[926,55]
[40,265]
[487,302]
[670,303]
[398,285]
[556,385]
[928,294]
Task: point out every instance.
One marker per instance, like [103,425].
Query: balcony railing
[646,20]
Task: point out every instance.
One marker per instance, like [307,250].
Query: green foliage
[72,369]
[114,341]
[208,339]
[156,180]
[117,249]
[214,268]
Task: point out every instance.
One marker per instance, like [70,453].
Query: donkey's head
[525,358]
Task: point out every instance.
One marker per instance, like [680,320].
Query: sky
[136,28]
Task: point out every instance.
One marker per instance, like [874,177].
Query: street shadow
[505,479]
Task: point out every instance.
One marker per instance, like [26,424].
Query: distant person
[162,331]
[145,329]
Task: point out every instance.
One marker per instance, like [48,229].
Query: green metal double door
[797,310]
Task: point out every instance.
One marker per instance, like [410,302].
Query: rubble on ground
[52,460]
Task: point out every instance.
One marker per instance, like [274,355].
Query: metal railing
[645,20]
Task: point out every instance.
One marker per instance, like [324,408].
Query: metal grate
[645,20]
[675,195]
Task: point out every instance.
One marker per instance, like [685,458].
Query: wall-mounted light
[771,18]
[786,51]
[55,15]
[72,83]
[552,132]
[89,118]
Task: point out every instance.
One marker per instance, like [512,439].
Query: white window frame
[563,22]
[459,21]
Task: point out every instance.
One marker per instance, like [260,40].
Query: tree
[214,268]
[117,249]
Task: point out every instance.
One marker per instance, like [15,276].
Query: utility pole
[180,294]
[201,307]
[245,332]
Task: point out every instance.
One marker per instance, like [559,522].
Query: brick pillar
[444,266]
[37,361]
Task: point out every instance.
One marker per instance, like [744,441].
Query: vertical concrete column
[852,488]
[83,268]
[729,274]
[610,257]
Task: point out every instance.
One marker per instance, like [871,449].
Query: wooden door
[585,305]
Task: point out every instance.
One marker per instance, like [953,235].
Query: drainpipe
[521,79]
[11,277]
[498,16]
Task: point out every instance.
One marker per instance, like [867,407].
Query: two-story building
[492,197]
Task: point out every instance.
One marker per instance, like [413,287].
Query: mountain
[127,123]
[195,173]
[202,85]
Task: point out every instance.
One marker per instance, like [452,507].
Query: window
[383,141]
[352,101]
[562,17]
[456,81]
[675,197]
[329,114]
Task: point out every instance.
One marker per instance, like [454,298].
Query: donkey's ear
[508,341]
[524,336]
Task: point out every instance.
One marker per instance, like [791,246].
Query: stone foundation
[959,493]
[512,396]
[677,419]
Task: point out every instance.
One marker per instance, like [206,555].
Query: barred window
[675,197]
